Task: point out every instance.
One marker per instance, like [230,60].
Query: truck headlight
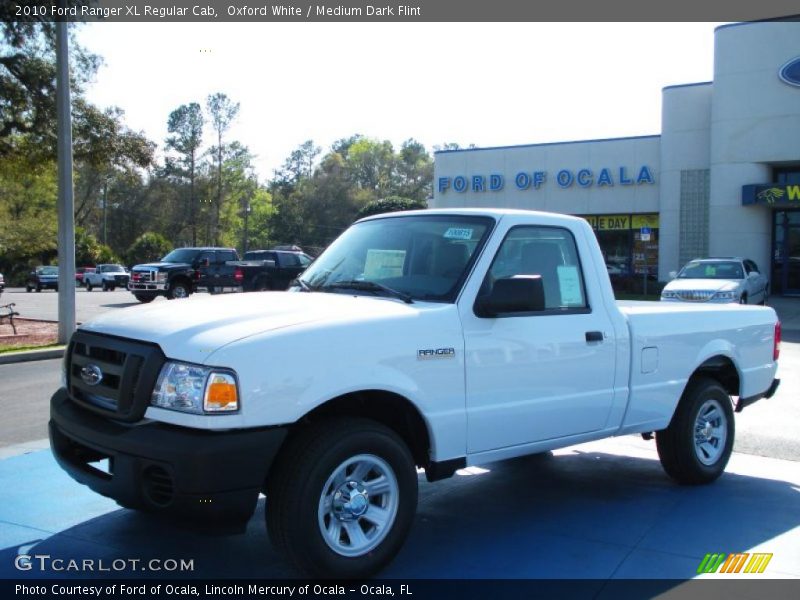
[195,389]
[668,294]
[725,296]
[161,277]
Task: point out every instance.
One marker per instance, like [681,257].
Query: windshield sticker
[569,284]
[458,233]
[382,264]
[711,270]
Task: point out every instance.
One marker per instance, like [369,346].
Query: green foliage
[390,204]
[148,247]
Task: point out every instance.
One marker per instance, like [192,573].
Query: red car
[79,274]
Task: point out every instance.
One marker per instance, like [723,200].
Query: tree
[222,112]
[28,81]
[390,204]
[186,125]
[299,164]
[148,247]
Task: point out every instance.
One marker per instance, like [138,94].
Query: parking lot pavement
[601,511]
[44,305]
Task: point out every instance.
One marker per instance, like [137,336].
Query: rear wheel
[743,299]
[696,446]
[341,498]
[105,286]
[89,286]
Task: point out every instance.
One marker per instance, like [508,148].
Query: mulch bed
[30,332]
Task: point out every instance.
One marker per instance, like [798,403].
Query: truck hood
[706,285]
[192,329]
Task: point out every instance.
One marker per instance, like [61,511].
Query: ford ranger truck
[433,339]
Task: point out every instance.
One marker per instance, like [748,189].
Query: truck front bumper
[147,287]
[210,477]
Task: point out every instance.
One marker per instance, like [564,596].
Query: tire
[89,286]
[105,287]
[178,291]
[144,299]
[262,284]
[743,299]
[38,288]
[705,409]
[313,466]
[28,289]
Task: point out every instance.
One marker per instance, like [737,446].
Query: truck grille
[112,376]
[143,276]
[695,295]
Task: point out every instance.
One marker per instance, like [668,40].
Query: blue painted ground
[599,511]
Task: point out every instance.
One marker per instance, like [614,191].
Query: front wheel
[341,498]
[696,446]
[178,290]
[88,286]
[144,299]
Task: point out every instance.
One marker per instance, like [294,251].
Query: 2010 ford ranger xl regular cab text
[434,339]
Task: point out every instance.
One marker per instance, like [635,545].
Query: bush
[148,247]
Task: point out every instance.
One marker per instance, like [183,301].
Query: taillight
[197,275]
[776,349]
[238,275]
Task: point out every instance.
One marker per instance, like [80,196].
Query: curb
[29,355]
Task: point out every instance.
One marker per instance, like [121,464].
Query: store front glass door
[785,276]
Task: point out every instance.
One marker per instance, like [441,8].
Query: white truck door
[543,375]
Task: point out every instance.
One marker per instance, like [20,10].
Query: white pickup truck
[429,339]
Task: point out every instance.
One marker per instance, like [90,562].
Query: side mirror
[518,294]
[673,274]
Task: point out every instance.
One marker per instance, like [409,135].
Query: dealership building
[722,178]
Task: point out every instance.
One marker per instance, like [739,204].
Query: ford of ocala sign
[790,72]
[564,178]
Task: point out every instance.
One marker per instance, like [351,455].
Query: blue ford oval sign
[790,72]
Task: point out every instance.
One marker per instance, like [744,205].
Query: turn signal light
[776,349]
[221,394]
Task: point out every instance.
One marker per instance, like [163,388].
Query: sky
[488,84]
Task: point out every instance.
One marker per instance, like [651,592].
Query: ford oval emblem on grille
[790,72]
[91,375]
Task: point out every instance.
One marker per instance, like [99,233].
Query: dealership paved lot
[602,511]
[44,305]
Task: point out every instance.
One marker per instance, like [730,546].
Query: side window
[289,260]
[304,260]
[549,252]
[750,267]
[225,255]
[206,255]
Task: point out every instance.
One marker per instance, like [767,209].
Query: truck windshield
[424,257]
[716,269]
[113,269]
[182,255]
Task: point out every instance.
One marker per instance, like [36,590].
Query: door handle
[594,336]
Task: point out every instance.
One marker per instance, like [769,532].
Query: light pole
[66,201]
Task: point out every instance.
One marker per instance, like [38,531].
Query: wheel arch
[721,368]
[393,410]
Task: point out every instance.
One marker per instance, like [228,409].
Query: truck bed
[669,341]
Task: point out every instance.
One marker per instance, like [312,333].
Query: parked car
[2,283]
[718,280]
[106,277]
[42,278]
[285,267]
[432,339]
[80,272]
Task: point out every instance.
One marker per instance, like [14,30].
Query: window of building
[630,248]
[786,175]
